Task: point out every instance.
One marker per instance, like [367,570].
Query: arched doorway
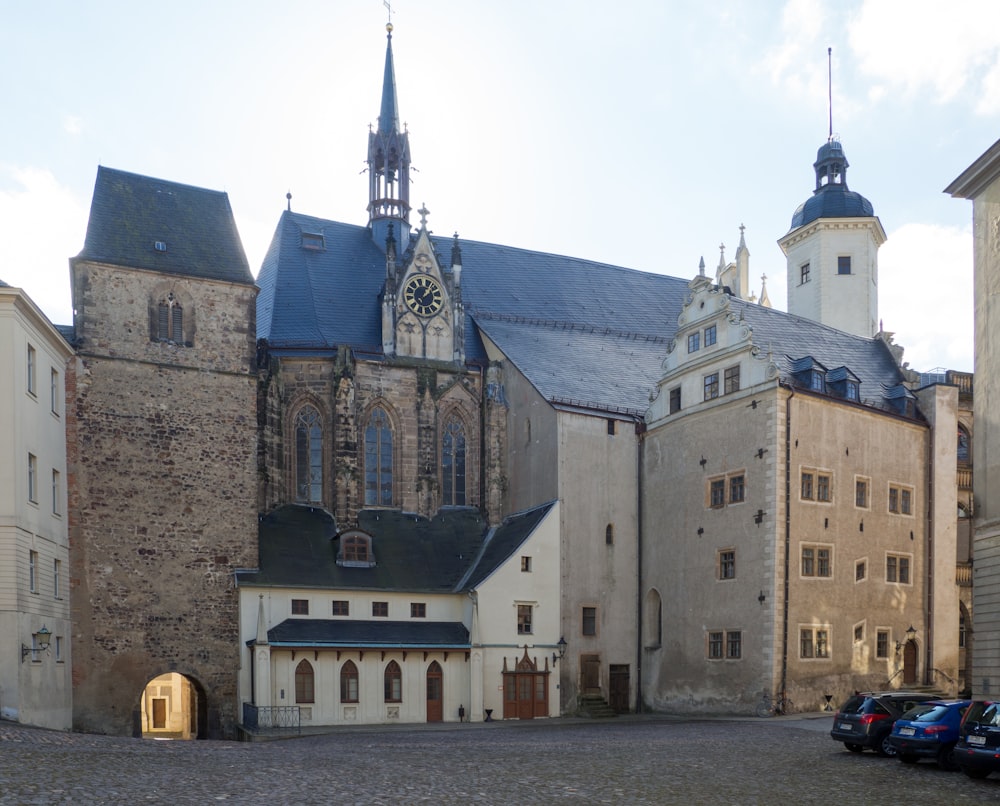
[172,706]
[435,705]
[910,663]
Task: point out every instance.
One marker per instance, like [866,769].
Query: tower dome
[831,198]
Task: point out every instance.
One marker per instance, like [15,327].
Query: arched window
[393,682]
[308,456]
[453,463]
[304,682]
[378,460]
[963,445]
[170,320]
[349,682]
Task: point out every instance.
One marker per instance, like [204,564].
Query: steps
[594,706]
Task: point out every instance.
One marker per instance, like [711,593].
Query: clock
[422,295]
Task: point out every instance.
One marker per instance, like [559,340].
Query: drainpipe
[788,536]
[640,433]
[929,554]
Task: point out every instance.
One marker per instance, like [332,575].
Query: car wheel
[946,758]
[908,758]
[884,748]
[854,748]
[975,772]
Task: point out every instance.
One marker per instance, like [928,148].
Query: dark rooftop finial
[829,89]
[288,197]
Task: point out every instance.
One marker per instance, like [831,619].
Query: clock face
[423,295]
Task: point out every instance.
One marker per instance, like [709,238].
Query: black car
[866,720]
[978,748]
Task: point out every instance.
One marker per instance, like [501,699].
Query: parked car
[978,748]
[866,719]
[929,730]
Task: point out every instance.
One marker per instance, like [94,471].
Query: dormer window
[816,381]
[355,551]
[809,373]
[314,241]
[841,381]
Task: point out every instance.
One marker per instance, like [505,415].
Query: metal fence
[259,718]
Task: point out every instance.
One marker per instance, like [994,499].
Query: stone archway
[172,706]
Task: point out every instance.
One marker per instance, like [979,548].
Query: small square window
[694,342]
[380,610]
[526,565]
[418,610]
[710,335]
[590,621]
[300,607]
[844,264]
[341,607]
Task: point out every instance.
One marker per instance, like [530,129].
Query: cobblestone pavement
[647,760]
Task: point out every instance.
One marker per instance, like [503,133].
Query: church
[405,477]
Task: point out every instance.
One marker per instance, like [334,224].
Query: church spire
[388,162]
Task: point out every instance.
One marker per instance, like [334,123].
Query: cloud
[72,124]
[42,230]
[925,294]
[791,63]
[948,49]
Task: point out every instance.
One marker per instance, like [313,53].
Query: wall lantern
[40,643]
[911,635]
[562,651]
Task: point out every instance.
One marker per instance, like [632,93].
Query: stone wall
[162,461]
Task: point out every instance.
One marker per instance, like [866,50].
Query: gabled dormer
[421,302]
[809,374]
[712,356]
[844,383]
[355,549]
[900,399]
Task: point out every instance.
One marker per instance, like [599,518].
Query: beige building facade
[35,680]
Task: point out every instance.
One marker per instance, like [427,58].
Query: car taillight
[867,719]
[935,729]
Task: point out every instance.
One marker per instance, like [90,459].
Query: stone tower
[161,450]
[832,251]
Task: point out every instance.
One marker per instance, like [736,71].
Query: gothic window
[453,463]
[349,682]
[304,682]
[378,460]
[393,682]
[170,320]
[308,456]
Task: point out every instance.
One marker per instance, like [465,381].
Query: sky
[641,134]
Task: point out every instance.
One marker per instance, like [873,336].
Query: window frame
[32,571]
[818,645]
[392,682]
[902,500]
[350,683]
[737,488]
[734,644]
[711,335]
[32,371]
[378,445]
[901,565]
[804,273]
[862,492]
[842,262]
[307,458]
[380,609]
[525,618]
[305,683]
[694,341]
[525,564]
[56,492]
[710,385]
[341,605]
[418,609]
[588,621]
[455,462]
[54,391]
[731,377]
[861,569]
[882,641]
[821,556]
[32,478]
[675,400]
[299,607]
[726,564]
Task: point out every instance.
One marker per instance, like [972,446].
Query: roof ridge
[561,324]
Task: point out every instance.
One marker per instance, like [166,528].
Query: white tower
[832,251]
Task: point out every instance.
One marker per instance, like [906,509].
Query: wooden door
[910,663]
[435,694]
[591,669]
[159,713]
[618,686]
[525,696]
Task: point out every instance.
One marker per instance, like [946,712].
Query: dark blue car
[978,749]
[929,730]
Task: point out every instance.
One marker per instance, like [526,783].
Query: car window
[878,708]
[985,713]
[855,705]
[926,713]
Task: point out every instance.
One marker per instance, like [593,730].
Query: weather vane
[388,8]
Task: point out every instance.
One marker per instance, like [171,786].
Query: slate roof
[361,634]
[130,213]
[450,552]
